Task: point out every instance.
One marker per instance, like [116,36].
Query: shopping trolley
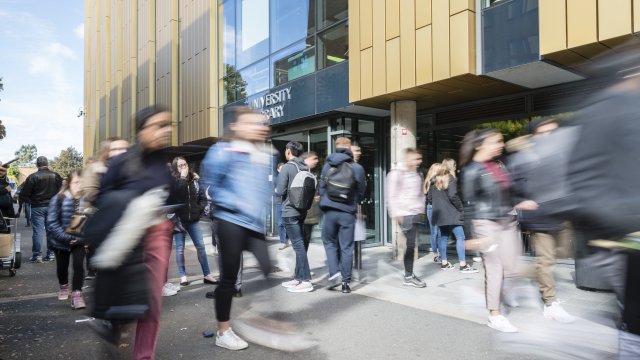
[10,255]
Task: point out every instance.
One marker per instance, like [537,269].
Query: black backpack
[302,189]
[340,181]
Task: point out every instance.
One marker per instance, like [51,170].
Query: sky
[41,65]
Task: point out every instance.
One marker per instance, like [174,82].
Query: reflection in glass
[229,88]
[331,12]
[333,46]
[253,79]
[291,20]
[293,62]
[252,31]
[228,35]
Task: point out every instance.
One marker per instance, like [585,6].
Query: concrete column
[403,135]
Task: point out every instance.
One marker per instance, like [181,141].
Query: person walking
[434,233]
[342,186]
[62,207]
[448,215]
[6,200]
[486,191]
[293,218]
[190,193]
[405,202]
[38,190]
[237,172]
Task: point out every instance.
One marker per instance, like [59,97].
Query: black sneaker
[36,259]
[345,288]
[467,269]
[447,266]
[437,260]
[413,280]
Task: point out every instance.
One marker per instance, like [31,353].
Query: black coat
[191,194]
[447,206]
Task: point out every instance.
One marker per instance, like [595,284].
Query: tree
[26,155]
[3,131]
[68,160]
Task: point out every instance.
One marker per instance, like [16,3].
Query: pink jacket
[404,194]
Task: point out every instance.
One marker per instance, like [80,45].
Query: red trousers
[157,250]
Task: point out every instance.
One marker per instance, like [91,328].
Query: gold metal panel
[354,52]
[614,18]
[463,43]
[407,45]
[379,49]
[424,64]
[423,13]
[392,19]
[366,73]
[553,25]
[590,50]
[440,39]
[636,15]
[393,65]
[366,24]
[456,6]
[582,22]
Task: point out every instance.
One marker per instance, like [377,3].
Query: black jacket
[447,206]
[342,155]
[483,196]
[191,194]
[40,187]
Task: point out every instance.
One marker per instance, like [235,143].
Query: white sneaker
[501,323]
[477,259]
[557,313]
[167,291]
[291,283]
[172,286]
[229,340]
[303,286]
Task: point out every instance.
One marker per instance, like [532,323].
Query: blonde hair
[442,178]
[450,164]
[343,142]
[431,173]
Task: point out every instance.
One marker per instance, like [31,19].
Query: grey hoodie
[285,177]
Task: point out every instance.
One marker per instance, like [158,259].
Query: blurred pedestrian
[66,247]
[486,192]
[189,192]
[428,187]
[405,202]
[38,190]
[237,172]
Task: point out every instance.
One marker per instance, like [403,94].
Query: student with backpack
[342,186]
[297,186]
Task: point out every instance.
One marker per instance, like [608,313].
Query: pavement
[380,319]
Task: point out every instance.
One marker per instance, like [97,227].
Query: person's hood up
[340,156]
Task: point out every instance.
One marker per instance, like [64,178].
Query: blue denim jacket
[237,174]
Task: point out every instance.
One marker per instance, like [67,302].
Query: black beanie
[145,114]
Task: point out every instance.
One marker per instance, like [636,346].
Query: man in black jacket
[38,190]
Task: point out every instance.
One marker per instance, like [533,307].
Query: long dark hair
[133,157]
[471,141]
[174,168]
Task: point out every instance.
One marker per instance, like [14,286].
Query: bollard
[357,256]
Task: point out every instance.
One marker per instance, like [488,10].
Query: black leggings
[62,265]
[410,230]
[232,240]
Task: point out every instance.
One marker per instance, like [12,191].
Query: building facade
[388,73]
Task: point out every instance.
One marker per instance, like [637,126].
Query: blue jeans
[27,212]
[38,220]
[294,227]
[434,232]
[193,228]
[337,238]
[458,232]
[281,229]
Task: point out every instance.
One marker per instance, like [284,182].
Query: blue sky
[42,64]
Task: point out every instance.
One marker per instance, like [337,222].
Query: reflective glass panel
[230,89]
[291,20]
[331,12]
[252,31]
[333,46]
[253,79]
[229,36]
[293,62]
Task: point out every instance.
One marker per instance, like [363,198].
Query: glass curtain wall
[266,43]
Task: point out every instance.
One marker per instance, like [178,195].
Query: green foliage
[3,131]
[14,171]
[510,129]
[68,160]
[26,155]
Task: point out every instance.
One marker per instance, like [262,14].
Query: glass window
[252,31]
[253,79]
[291,20]
[230,88]
[331,12]
[229,36]
[293,62]
[333,46]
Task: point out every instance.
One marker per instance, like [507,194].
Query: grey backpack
[302,189]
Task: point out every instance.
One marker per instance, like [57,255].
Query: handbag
[76,227]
